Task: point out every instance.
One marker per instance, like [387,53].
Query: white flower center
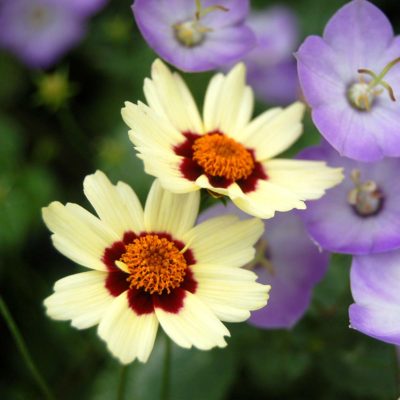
[361,96]
[190,33]
[366,198]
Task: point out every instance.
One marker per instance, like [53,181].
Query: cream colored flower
[152,267]
[223,151]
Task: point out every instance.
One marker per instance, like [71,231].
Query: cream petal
[308,180]
[78,234]
[230,292]
[168,95]
[169,212]
[211,102]
[277,133]
[224,240]
[117,206]
[268,198]
[128,336]
[229,102]
[81,298]
[257,124]
[149,128]
[194,325]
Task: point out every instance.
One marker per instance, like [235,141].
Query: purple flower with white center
[362,214]
[350,78]
[271,65]
[375,284]
[39,32]
[195,35]
[287,260]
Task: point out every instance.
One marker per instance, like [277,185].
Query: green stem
[166,378]
[24,350]
[122,383]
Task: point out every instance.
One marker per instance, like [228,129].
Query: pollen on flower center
[366,198]
[155,264]
[361,96]
[220,155]
[190,33]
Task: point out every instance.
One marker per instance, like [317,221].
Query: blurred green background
[44,156]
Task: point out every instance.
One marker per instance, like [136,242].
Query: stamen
[191,33]
[366,198]
[361,94]
[154,264]
[219,155]
[202,12]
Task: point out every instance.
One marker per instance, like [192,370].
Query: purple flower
[271,66]
[362,214]
[195,35]
[350,78]
[39,32]
[375,284]
[287,260]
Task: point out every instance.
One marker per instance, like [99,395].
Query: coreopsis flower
[351,78]
[286,259]
[195,35]
[375,285]
[39,32]
[152,267]
[224,152]
[271,65]
[362,214]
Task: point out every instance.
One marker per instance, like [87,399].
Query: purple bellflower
[39,32]
[271,65]
[350,77]
[195,35]
[287,260]
[362,214]
[375,284]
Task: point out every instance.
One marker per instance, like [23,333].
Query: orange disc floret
[220,155]
[155,264]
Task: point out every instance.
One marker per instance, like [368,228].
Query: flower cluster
[350,78]
[157,266]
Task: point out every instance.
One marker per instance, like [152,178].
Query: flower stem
[122,383]
[166,386]
[24,350]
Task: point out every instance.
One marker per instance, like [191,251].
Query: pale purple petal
[238,10]
[375,284]
[360,32]
[321,76]
[86,8]
[271,68]
[226,42]
[39,40]
[275,84]
[332,222]
[297,266]
[277,34]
